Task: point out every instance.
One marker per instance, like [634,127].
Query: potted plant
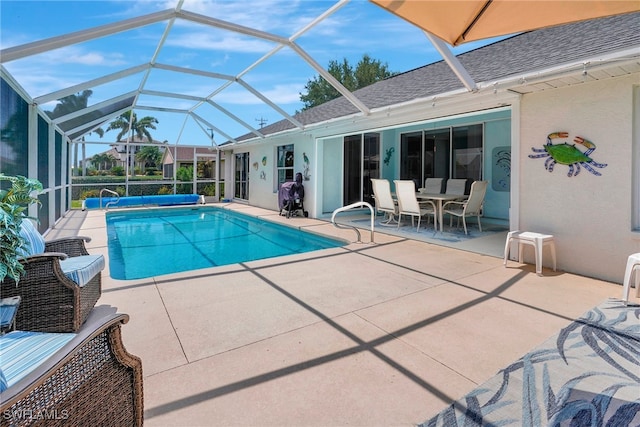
[13,202]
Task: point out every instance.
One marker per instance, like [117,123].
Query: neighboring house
[582,79]
[113,152]
[119,151]
[204,159]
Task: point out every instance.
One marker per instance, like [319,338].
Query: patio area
[368,334]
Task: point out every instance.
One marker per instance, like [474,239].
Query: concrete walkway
[383,334]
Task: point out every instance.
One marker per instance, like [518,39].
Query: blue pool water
[161,241]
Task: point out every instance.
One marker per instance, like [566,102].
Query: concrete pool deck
[384,334]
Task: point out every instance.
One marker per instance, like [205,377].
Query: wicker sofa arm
[51,302]
[72,246]
[49,256]
[92,380]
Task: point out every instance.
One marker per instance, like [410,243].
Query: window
[467,152]
[451,152]
[285,164]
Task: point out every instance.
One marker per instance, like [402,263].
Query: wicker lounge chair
[90,380]
[51,300]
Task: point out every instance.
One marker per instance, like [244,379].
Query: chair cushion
[3,382]
[8,311]
[34,242]
[81,269]
[21,352]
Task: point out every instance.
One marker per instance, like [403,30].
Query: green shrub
[89,193]
[209,190]
[184,173]
[117,171]
[165,189]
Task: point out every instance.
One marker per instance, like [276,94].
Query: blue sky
[357,28]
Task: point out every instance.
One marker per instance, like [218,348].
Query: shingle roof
[523,53]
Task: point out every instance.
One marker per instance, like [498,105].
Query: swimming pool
[162,241]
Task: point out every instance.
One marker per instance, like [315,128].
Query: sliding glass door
[451,152]
[466,152]
[361,164]
[242,176]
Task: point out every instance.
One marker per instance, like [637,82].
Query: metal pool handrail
[112,201]
[349,207]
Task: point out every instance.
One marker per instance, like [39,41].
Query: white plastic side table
[537,240]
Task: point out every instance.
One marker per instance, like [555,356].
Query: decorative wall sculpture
[388,154]
[305,171]
[568,154]
[501,169]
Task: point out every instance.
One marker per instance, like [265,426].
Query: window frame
[282,164]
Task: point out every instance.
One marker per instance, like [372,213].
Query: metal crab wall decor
[568,154]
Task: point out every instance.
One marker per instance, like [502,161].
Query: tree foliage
[366,72]
[149,156]
[129,121]
[103,161]
[71,104]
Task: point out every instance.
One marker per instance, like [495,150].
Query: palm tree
[110,161]
[139,128]
[71,104]
[102,160]
[128,123]
[149,156]
[98,160]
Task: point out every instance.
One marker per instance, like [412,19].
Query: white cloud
[280,94]
[207,40]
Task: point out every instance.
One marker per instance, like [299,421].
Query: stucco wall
[589,215]
[262,178]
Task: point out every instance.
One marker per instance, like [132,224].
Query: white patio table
[439,198]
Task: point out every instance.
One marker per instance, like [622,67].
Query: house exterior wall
[590,216]
[263,188]
[324,188]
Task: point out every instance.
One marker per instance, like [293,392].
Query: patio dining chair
[432,186]
[384,200]
[468,208]
[408,203]
[456,186]
[61,283]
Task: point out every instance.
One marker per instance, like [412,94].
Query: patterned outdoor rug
[427,232]
[587,375]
